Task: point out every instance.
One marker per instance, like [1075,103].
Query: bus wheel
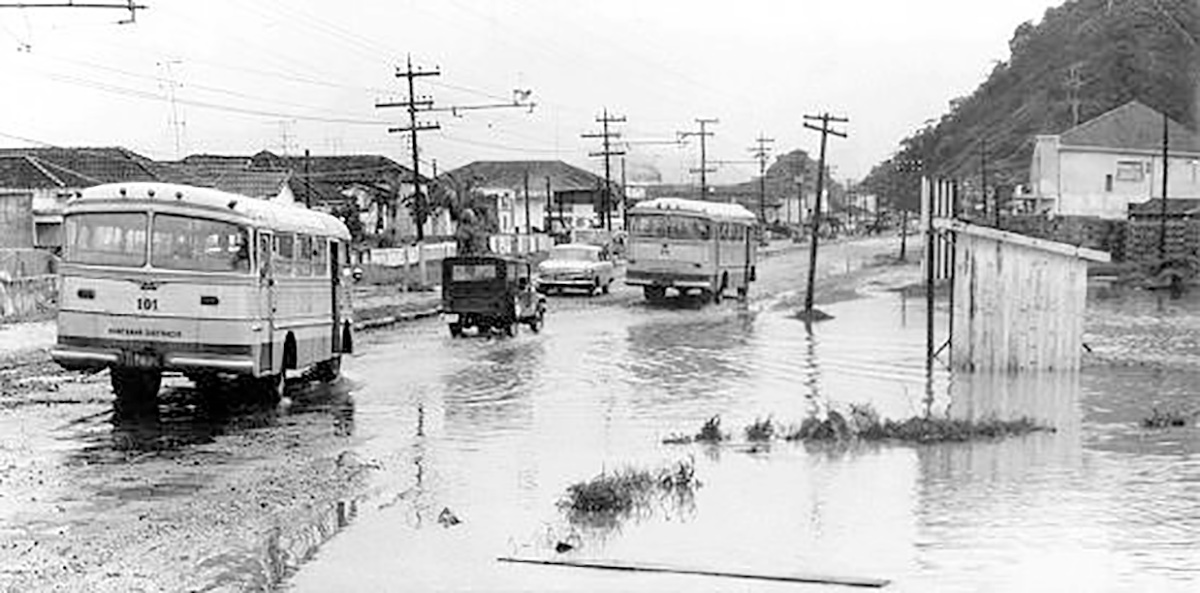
[269,389]
[329,370]
[654,294]
[510,328]
[135,388]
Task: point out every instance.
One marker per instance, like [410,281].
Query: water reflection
[691,356]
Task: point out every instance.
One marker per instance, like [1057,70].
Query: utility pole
[607,153]
[413,105]
[624,198]
[1074,83]
[549,207]
[825,131]
[307,180]
[907,166]
[528,225]
[1162,229]
[703,170]
[983,181]
[761,152]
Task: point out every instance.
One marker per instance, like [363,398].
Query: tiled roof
[81,167]
[1132,125]
[511,174]
[357,168]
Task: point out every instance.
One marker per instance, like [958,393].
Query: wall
[1083,174]
[28,283]
[16,220]
[1016,307]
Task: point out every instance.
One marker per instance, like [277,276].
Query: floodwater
[493,431]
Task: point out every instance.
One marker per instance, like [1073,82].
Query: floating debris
[447,518]
[1168,418]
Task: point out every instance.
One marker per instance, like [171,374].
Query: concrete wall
[16,220]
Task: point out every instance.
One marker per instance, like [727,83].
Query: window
[108,239]
[473,272]
[303,257]
[1108,182]
[185,243]
[320,257]
[284,251]
[1130,171]
[672,227]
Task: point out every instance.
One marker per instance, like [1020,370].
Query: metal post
[1162,231]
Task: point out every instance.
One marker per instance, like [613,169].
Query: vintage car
[490,292]
[578,266]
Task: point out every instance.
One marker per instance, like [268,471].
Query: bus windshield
[671,227]
[197,244]
[107,239]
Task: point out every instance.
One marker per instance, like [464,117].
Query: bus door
[268,300]
[335,275]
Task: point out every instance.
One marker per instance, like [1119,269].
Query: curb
[394,319]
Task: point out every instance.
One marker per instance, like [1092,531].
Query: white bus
[690,245]
[162,278]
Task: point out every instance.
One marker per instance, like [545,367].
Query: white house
[521,190]
[1103,165]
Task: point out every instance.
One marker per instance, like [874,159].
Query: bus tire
[347,339]
[654,294]
[135,388]
[719,294]
[329,370]
[269,389]
[289,352]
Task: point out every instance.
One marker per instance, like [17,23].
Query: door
[335,284]
[268,303]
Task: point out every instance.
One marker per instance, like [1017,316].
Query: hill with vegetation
[1084,58]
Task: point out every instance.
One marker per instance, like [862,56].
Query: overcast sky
[287,75]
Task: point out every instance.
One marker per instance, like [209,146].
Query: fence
[520,244]
[28,283]
[415,266]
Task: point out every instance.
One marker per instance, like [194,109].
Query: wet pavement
[349,488]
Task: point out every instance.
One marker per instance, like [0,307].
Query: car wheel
[607,287]
[535,325]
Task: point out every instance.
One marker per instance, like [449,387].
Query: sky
[236,77]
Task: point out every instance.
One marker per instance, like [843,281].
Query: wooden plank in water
[662,568]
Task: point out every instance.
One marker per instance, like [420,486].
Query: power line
[703,170]
[608,152]
[825,131]
[413,105]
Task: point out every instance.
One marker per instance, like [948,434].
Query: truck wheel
[535,324]
[328,371]
[510,329]
[607,287]
[135,388]
[654,294]
[455,330]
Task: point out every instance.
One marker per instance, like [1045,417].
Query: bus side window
[303,257]
[264,255]
[320,259]
[284,249]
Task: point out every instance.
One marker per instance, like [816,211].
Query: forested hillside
[1083,58]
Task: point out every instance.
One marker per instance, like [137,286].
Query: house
[52,175]
[1103,165]
[549,191]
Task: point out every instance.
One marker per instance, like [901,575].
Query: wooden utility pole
[549,207]
[1162,229]
[825,131]
[761,152]
[624,198]
[703,170]
[528,224]
[413,105]
[906,166]
[607,153]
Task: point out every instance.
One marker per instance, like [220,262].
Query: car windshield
[107,239]
[573,253]
[198,244]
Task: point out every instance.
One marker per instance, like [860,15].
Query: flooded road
[495,430]
[434,457]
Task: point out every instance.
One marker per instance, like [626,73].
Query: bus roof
[265,213]
[719,210]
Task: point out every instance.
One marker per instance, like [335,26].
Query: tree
[470,210]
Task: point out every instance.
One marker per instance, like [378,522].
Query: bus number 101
[144,304]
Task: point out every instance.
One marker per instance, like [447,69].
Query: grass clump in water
[1167,418]
[760,430]
[709,433]
[864,424]
[623,491]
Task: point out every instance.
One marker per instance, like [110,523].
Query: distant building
[54,175]
[1103,165]
[559,195]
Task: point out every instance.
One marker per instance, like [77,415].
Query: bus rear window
[196,244]
[671,227]
[107,239]
[473,272]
